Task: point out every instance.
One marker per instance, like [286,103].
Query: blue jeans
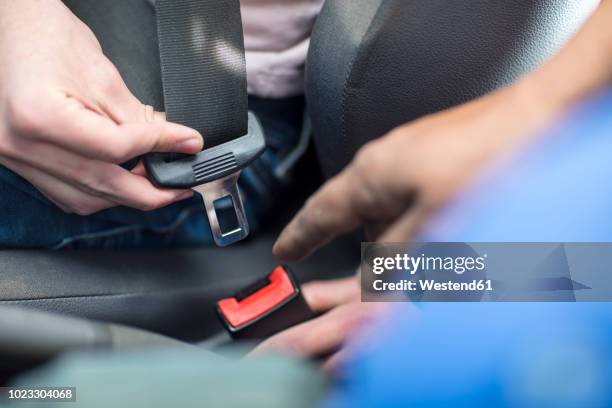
[29,220]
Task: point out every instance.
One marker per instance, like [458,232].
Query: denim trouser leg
[29,220]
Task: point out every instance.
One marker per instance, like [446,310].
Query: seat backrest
[376,64]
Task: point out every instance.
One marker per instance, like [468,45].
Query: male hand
[395,182]
[324,336]
[67,119]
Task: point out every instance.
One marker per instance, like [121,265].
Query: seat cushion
[169,292]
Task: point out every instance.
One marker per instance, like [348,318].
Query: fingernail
[187,138]
[191,145]
[275,248]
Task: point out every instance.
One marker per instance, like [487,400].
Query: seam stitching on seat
[349,74]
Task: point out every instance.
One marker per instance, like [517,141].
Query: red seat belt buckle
[267,306]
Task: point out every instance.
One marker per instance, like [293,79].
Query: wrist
[581,68]
[523,110]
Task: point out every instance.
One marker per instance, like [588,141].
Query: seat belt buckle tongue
[214,173]
[225,190]
[264,308]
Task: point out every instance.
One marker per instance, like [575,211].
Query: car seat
[373,64]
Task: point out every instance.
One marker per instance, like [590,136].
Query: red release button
[238,313]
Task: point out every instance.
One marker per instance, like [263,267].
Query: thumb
[165,136]
[153,133]
[160,136]
[151,115]
[141,128]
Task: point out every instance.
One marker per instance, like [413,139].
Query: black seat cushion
[374,64]
[172,292]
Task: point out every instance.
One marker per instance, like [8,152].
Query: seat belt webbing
[201,47]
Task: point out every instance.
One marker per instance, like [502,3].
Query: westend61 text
[433,285]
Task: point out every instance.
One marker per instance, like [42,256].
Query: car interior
[372,65]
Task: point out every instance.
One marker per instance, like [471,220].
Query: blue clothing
[558,190]
[507,354]
[29,220]
[486,355]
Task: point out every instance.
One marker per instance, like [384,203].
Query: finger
[128,109]
[344,203]
[151,115]
[140,169]
[322,296]
[67,198]
[126,188]
[322,335]
[333,365]
[115,99]
[69,124]
[328,213]
[374,229]
[407,226]
[108,181]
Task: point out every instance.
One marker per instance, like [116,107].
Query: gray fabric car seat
[376,64]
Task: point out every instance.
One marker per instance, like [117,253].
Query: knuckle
[116,152]
[371,159]
[335,204]
[310,219]
[21,115]
[93,184]
[110,78]
[381,174]
[159,137]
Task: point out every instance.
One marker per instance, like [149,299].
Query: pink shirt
[276,37]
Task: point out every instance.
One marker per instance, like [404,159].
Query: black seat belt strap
[203,69]
[201,47]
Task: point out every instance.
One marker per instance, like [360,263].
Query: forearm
[583,66]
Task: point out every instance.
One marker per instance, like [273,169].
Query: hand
[67,119]
[326,335]
[394,183]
